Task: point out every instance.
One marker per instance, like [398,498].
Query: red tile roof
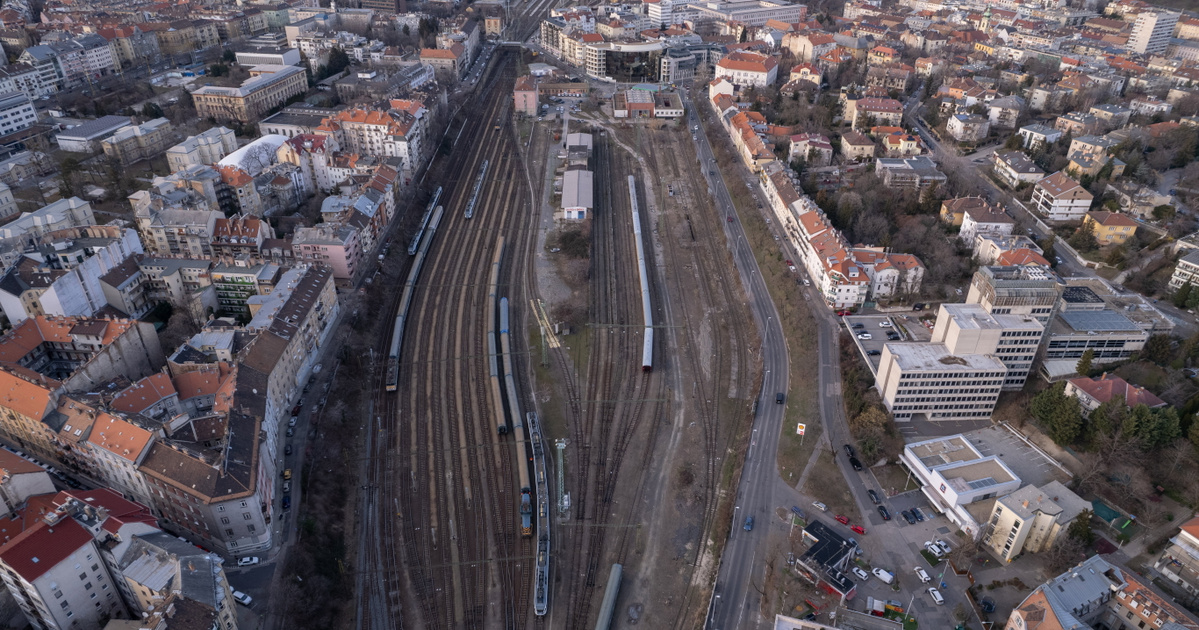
[39,548]
[1108,386]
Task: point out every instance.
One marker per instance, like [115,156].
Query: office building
[953,475]
[1016,290]
[1151,32]
[1031,519]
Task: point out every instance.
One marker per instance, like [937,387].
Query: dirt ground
[671,559]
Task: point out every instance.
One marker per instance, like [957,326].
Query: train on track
[609,606]
[474,196]
[541,580]
[424,222]
[647,349]
[497,398]
[397,333]
[517,419]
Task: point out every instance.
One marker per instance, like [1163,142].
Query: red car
[842,520]
[843,313]
[730,219]
[858,529]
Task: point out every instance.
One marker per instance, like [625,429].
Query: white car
[865,336]
[242,598]
[922,575]
[820,506]
[933,549]
[247,561]
[936,595]
[886,576]
[886,323]
[943,546]
[860,573]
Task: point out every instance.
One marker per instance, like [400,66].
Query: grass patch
[1148,375]
[930,558]
[894,479]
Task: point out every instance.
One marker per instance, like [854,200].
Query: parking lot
[1029,465]
[871,332]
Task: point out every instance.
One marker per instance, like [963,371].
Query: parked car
[857,465]
[933,549]
[749,523]
[873,353]
[287,474]
[295,411]
[291,422]
[242,598]
[922,575]
[886,576]
[849,450]
[882,511]
[936,595]
[287,501]
[859,529]
[865,336]
[247,561]
[918,514]
[291,431]
[778,398]
[873,497]
[858,326]
[843,313]
[287,450]
[287,486]
[798,512]
[886,323]
[907,516]
[943,546]
[858,571]
[842,519]
[820,506]
[893,336]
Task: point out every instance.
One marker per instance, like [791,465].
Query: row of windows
[1020,333]
[1091,343]
[1077,354]
[940,414]
[934,407]
[983,384]
[934,399]
[953,375]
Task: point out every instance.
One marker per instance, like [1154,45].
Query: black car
[849,450]
[287,501]
[287,450]
[873,353]
[874,497]
[882,511]
[893,336]
[907,516]
[853,461]
[859,326]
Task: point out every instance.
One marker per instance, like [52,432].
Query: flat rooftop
[1096,321]
[923,357]
[944,451]
[968,476]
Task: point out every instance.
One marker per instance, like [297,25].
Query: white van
[820,506]
[886,576]
[936,595]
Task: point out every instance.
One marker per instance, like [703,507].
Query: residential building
[1113,116]
[1092,392]
[968,127]
[86,137]
[1110,228]
[61,274]
[985,219]
[873,111]
[16,112]
[8,205]
[1004,112]
[1077,124]
[807,73]
[524,96]
[1151,31]
[332,244]
[1060,198]
[747,69]
[1186,271]
[1140,602]
[989,249]
[813,149]
[1031,519]
[268,87]
[855,146]
[138,142]
[208,147]
[1074,599]
[21,479]
[1178,563]
[901,144]
[131,46]
[1038,135]
[953,474]
[916,173]
[953,211]
[235,284]
[1149,106]
[577,190]
[1014,169]
[448,63]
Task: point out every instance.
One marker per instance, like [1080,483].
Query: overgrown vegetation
[869,423]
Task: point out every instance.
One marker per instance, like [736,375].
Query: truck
[880,607]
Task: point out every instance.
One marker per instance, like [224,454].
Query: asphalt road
[736,599]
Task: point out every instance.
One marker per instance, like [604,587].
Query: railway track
[448,554]
[705,260]
[612,415]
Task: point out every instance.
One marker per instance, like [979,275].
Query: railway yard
[646,399]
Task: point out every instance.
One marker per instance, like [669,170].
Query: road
[737,601]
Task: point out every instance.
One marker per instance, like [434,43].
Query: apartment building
[953,475]
[1186,271]
[1151,31]
[1060,198]
[138,142]
[873,111]
[268,87]
[335,245]
[1074,599]
[915,173]
[208,147]
[1015,169]
[1179,562]
[131,46]
[16,112]
[1031,519]
[746,69]
[1092,392]
[984,219]
[1038,135]
[968,127]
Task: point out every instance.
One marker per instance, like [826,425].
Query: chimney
[1026,503]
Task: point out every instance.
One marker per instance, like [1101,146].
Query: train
[492,342]
[424,222]
[647,348]
[609,606]
[541,580]
[397,333]
[474,195]
[517,419]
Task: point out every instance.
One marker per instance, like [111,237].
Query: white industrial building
[577,194]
